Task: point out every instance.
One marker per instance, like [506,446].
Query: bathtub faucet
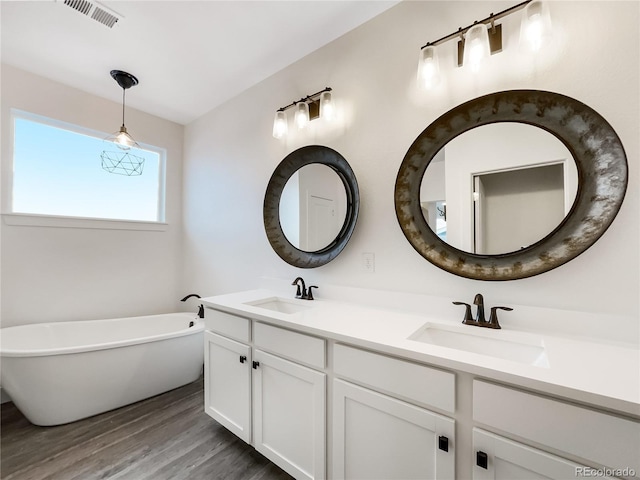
[200,308]
[189,296]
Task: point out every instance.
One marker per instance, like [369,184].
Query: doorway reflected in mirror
[504,186]
[313,207]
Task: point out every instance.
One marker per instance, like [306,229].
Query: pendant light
[122,138]
[122,162]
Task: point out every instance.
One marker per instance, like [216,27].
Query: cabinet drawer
[418,383]
[228,325]
[595,436]
[292,345]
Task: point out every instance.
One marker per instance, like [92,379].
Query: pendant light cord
[123,92]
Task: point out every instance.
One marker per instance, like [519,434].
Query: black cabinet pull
[243,358]
[443,443]
[256,365]
[482,460]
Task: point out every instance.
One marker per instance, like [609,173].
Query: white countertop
[602,374]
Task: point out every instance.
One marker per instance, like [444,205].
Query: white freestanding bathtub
[60,372]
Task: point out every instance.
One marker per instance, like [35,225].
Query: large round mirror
[498,188]
[531,147]
[311,206]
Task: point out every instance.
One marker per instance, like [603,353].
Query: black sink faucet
[200,308]
[479,301]
[480,320]
[302,291]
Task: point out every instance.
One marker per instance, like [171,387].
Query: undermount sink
[280,305]
[515,346]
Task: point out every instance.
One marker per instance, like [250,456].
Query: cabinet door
[377,436]
[496,457]
[227,383]
[289,415]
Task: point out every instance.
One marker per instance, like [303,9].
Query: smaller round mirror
[311,206]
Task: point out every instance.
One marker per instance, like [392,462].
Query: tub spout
[189,296]
[200,308]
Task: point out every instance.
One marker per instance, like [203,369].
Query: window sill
[30,220]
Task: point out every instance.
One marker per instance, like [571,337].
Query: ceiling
[189,56]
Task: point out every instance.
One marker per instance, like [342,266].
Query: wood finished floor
[167,437]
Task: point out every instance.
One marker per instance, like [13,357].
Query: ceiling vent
[94,10]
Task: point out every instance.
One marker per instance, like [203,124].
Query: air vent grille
[80,5]
[95,11]
[104,17]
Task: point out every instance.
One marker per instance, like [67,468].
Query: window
[57,171]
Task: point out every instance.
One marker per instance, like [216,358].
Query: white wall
[229,155]
[54,274]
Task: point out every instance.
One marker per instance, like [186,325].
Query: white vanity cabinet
[606,443]
[322,402]
[289,415]
[386,435]
[269,389]
[227,383]
[289,400]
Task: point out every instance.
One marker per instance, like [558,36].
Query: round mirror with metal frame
[602,181]
[271,211]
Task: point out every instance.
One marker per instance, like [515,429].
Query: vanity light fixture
[280,127]
[319,104]
[428,67]
[327,108]
[483,38]
[476,47]
[535,30]
[122,162]
[302,116]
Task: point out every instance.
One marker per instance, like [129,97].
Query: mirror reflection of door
[515,208]
[321,222]
[495,153]
[313,207]
[480,222]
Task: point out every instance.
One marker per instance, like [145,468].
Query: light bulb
[327,108]
[302,114]
[123,140]
[476,47]
[428,68]
[280,127]
[535,29]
